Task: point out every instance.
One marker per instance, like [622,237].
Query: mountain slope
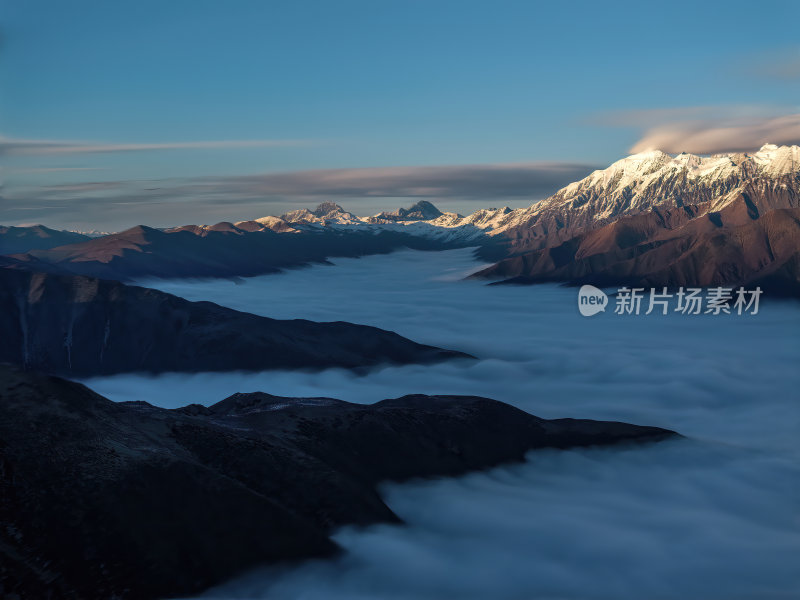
[14,240]
[770,178]
[83,326]
[227,250]
[672,248]
[129,501]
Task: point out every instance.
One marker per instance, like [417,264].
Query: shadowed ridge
[81,326]
[132,501]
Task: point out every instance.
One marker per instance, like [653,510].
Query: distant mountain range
[224,250]
[14,240]
[650,218]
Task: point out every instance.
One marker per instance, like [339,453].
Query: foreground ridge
[128,500]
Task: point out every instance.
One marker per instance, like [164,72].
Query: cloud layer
[710,518]
[21,146]
[481,181]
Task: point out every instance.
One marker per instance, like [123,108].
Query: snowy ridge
[631,185]
[658,180]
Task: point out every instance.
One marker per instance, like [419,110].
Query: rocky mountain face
[129,501]
[671,248]
[421,211]
[14,240]
[83,326]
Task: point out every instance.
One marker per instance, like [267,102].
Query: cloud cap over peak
[723,135]
[712,129]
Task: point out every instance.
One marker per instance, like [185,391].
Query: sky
[118,113]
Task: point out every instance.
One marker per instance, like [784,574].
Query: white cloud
[724,135]
[706,129]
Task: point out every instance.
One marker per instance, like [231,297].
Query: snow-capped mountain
[656,220]
[422,219]
[656,180]
[637,183]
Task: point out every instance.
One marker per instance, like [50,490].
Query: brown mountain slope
[678,247]
[769,178]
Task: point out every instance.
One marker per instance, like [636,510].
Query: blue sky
[296,86]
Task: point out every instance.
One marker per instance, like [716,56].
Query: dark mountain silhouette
[14,240]
[420,211]
[224,250]
[129,501]
[83,326]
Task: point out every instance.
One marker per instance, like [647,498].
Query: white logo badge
[591,300]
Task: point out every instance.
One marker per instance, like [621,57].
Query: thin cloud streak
[52,169]
[464,181]
[21,146]
[120,204]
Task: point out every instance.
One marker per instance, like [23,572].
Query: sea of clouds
[713,516]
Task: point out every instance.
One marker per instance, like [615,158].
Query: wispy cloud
[17,146]
[465,181]
[521,180]
[707,129]
[51,169]
[164,202]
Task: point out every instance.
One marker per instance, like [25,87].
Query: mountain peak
[422,210]
[326,208]
[138,230]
